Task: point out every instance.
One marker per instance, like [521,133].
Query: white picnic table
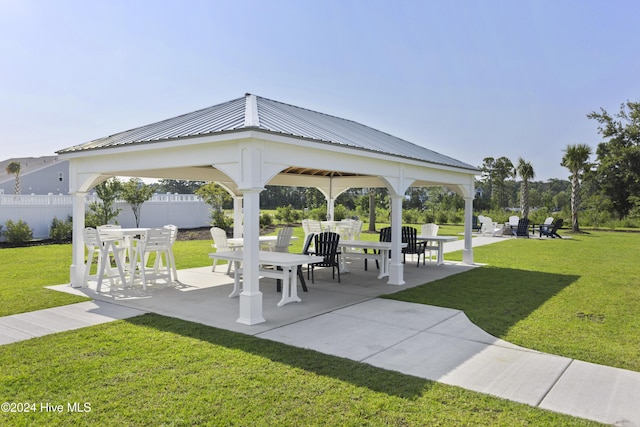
[440,240]
[288,274]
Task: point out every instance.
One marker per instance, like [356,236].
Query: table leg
[440,255]
[384,263]
[289,285]
[237,289]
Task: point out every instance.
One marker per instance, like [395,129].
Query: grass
[154,370]
[576,297]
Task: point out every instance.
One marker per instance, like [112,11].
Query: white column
[396,268]
[237,216]
[77,256]
[467,252]
[330,208]
[251,297]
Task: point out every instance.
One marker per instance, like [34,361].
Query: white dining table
[440,240]
[379,252]
[115,233]
[288,274]
[238,242]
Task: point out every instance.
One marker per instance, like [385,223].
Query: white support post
[251,297]
[467,252]
[396,268]
[77,256]
[330,208]
[237,216]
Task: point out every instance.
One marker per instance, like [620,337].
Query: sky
[469,79]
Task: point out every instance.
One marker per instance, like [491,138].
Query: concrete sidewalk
[348,320]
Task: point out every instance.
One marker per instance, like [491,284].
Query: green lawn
[577,297]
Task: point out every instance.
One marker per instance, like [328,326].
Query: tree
[179,186]
[372,209]
[216,196]
[103,211]
[13,168]
[618,157]
[575,159]
[503,169]
[135,192]
[526,172]
[488,173]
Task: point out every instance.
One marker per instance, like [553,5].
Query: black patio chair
[552,231]
[523,228]
[414,247]
[476,226]
[326,245]
[385,236]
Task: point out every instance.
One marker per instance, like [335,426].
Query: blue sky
[469,79]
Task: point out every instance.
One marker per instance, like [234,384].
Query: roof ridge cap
[251,117]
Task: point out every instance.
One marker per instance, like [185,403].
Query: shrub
[429,217]
[340,212]
[266,220]
[442,217]
[17,232]
[61,231]
[221,220]
[287,215]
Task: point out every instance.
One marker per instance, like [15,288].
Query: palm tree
[575,159]
[526,172]
[13,168]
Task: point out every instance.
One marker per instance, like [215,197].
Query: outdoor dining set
[130,249]
[327,244]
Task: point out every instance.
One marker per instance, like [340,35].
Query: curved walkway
[348,320]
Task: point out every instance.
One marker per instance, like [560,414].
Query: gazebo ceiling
[317,172]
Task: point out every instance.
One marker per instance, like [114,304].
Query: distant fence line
[38,211]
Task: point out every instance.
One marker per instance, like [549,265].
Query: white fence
[38,211]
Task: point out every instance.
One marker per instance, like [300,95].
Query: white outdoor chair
[96,246]
[513,223]
[110,232]
[158,241]
[284,240]
[490,228]
[220,244]
[430,230]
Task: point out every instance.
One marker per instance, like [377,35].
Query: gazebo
[249,142]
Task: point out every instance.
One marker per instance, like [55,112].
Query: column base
[396,274]
[467,256]
[250,308]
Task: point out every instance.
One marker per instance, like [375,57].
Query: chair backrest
[410,237]
[429,229]
[523,227]
[157,238]
[514,220]
[284,239]
[91,238]
[548,221]
[326,245]
[220,239]
[557,225]
[357,229]
[307,243]
[314,226]
[385,234]
[103,230]
[174,232]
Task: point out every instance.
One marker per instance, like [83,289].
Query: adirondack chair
[522,230]
[553,230]
[326,245]
[414,247]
